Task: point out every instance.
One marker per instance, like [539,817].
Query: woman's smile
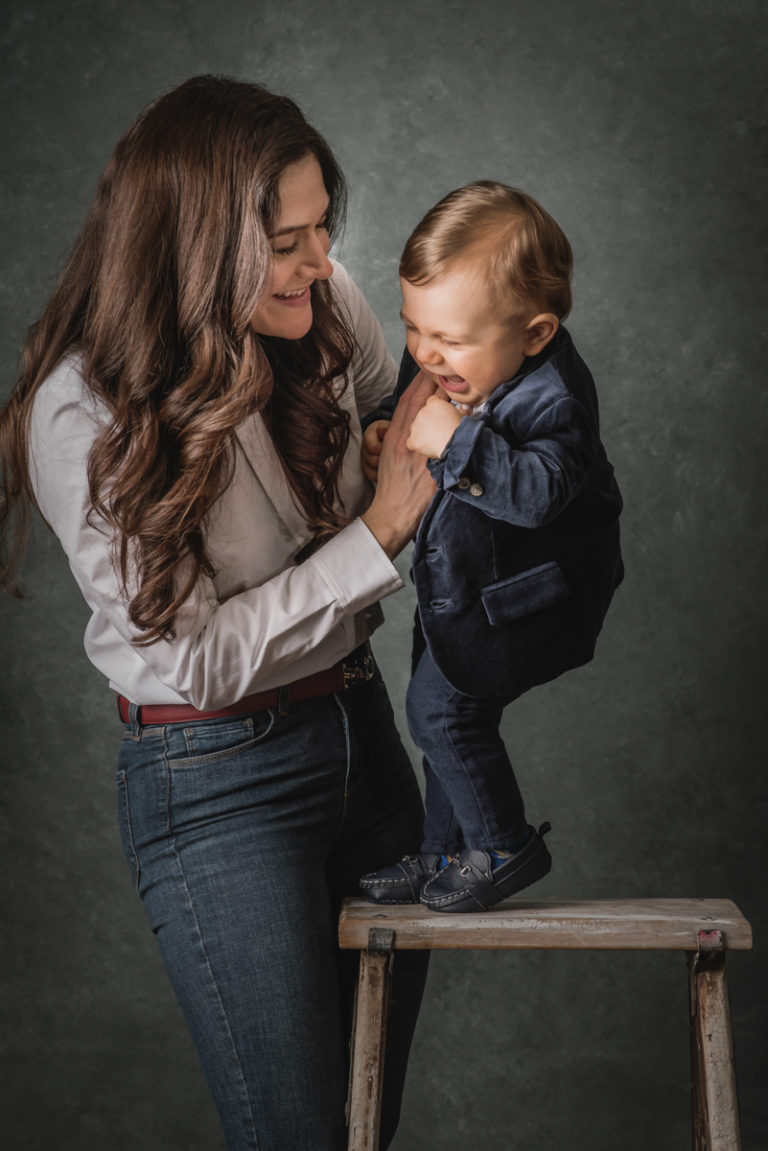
[295,299]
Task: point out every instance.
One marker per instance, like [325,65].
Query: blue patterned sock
[500,856]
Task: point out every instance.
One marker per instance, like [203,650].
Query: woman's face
[300,244]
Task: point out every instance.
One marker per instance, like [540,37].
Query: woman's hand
[433,427]
[404,486]
[373,438]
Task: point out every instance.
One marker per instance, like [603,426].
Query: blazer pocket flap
[522,594]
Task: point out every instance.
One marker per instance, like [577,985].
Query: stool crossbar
[703,928]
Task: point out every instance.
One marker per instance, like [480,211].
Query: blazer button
[477,490]
[463,483]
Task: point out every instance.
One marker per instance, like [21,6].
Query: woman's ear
[539,331]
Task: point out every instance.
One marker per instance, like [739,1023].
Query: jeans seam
[219,999]
[134,860]
[243,1084]
[201,942]
[167,784]
[348,756]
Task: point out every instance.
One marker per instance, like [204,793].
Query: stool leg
[369,1041]
[715,1105]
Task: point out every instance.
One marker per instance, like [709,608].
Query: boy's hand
[433,427]
[373,439]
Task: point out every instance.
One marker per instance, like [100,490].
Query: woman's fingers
[412,401]
[405,486]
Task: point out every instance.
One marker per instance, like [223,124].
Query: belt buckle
[359,671]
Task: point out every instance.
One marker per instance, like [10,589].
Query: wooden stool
[701,927]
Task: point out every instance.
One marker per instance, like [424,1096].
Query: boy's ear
[539,331]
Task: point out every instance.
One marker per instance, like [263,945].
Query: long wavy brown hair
[158,296]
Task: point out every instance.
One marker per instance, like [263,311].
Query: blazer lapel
[264,463]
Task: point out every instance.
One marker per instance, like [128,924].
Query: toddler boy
[517,557]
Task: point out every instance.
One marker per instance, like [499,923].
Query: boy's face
[461,338]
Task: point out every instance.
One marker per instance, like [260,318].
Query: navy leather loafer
[402,882]
[474,881]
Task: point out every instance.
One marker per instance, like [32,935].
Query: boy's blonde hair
[526,253]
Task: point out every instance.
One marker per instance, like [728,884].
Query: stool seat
[544,924]
[703,928]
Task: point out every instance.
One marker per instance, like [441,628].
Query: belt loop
[283,699]
[133,719]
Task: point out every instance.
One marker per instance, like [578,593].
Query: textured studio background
[640,124]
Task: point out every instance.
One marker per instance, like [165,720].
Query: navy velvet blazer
[517,557]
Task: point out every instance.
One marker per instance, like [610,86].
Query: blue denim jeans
[243,834]
[472,797]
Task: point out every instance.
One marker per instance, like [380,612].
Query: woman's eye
[285,251]
[451,343]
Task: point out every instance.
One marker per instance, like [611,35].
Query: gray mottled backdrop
[641,125]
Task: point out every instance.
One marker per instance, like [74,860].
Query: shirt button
[463,483]
[477,490]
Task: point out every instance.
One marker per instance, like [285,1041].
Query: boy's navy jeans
[472,797]
[243,835]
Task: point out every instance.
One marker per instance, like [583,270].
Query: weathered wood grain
[370,1034]
[622,924]
[713,1077]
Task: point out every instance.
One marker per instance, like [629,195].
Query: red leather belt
[357,667]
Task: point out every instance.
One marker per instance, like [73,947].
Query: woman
[188,423]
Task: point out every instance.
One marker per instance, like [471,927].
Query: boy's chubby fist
[373,439]
[433,427]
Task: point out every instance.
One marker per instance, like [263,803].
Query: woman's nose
[316,257]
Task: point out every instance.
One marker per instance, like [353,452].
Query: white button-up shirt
[262,621]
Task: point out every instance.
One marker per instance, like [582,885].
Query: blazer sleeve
[523,481]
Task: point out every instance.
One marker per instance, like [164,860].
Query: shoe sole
[392,902]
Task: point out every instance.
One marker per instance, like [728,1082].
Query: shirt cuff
[356,567]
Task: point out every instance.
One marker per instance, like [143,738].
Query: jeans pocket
[215,740]
[216,769]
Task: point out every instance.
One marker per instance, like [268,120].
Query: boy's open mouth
[452,383]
